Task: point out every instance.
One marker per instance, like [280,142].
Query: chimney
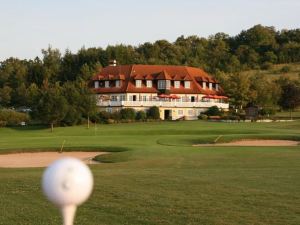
[113,62]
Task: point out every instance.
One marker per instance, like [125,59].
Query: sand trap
[43,159]
[255,143]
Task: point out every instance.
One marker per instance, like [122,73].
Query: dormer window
[187,84]
[204,85]
[118,83]
[176,84]
[217,87]
[149,83]
[138,83]
[164,84]
[106,84]
[96,84]
[210,86]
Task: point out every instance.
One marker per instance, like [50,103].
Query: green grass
[156,177]
[275,72]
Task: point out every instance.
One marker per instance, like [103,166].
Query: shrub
[141,116]
[127,114]
[265,112]
[153,113]
[3,123]
[103,117]
[116,116]
[12,118]
[285,69]
[213,111]
[202,117]
[266,66]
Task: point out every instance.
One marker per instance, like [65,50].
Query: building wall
[175,113]
[184,108]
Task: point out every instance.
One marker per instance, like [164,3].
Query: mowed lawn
[157,177]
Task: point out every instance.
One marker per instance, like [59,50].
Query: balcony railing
[200,104]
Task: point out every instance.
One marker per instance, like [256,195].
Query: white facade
[187,105]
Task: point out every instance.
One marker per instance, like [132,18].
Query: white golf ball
[67,181]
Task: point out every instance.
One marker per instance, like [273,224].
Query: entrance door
[134,98]
[193,99]
[168,115]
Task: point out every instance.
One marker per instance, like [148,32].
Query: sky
[27,26]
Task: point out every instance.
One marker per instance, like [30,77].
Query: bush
[116,116]
[12,118]
[141,116]
[153,113]
[265,112]
[202,117]
[285,69]
[103,117]
[213,111]
[127,114]
[266,66]
[3,123]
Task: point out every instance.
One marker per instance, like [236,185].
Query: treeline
[60,81]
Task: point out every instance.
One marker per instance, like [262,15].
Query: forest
[55,89]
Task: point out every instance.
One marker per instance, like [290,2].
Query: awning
[215,97]
[169,96]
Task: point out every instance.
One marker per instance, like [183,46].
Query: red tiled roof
[129,73]
[139,77]
[163,75]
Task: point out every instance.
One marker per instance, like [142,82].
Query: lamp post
[67,183]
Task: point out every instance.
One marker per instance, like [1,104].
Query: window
[164,84]
[204,85]
[118,83]
[210,86]
[122,98]
[149,83]
[114,98]
[217,87]
[109,110]
[191,112]
[161,84]
[138,83]
[180,112]
[106,83]
[176,84]
[187,84]
[144,98]
[96,84]
[168,84]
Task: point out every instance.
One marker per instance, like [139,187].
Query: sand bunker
[42,159]
[255,143]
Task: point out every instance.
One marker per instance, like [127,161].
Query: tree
[237,87]
[5,96]
[71,93]
[290,97]
[51,64]
[88,104]
[263,91]
[52,106]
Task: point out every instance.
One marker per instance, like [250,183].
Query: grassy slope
[275,71]
[161,179]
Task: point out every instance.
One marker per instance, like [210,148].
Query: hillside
[290,70]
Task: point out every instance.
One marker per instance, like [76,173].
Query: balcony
[179,104]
